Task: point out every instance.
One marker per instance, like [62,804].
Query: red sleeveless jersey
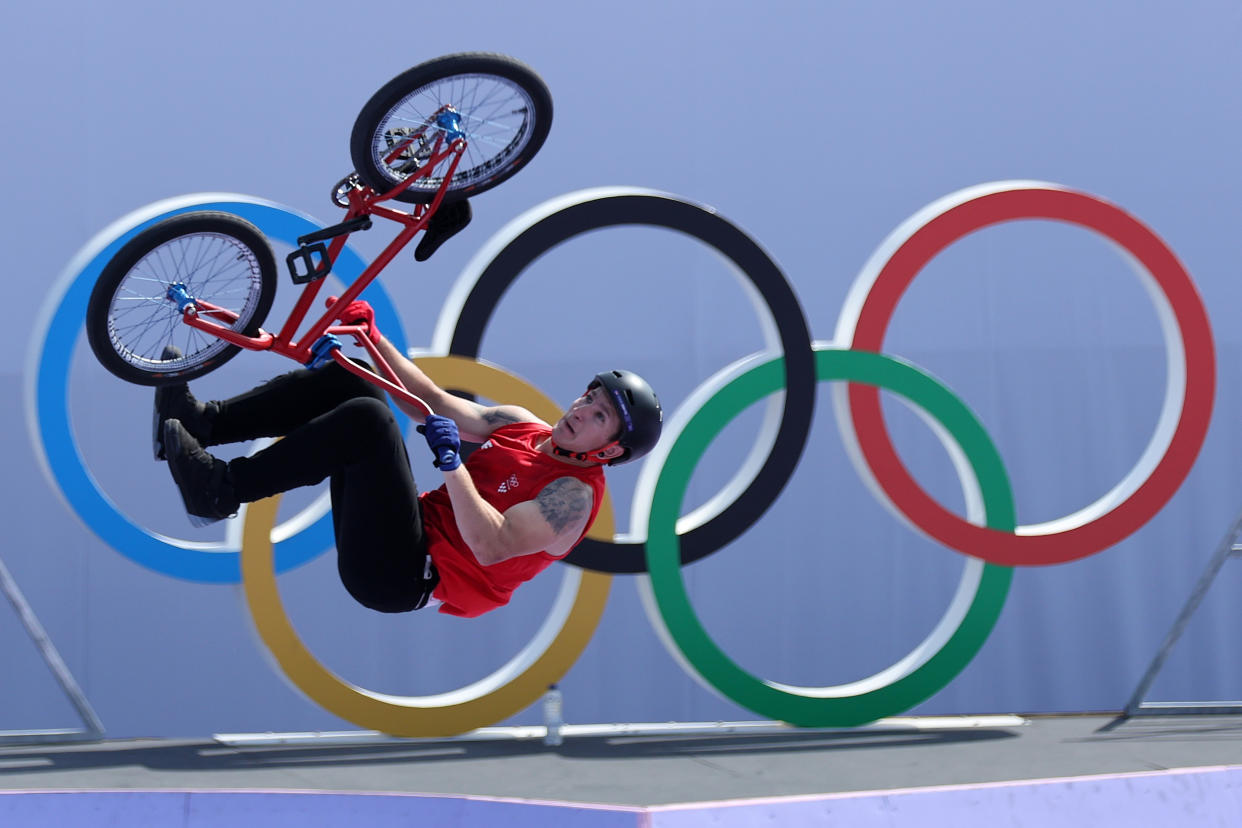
[507,470]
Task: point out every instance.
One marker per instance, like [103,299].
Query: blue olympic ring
[54,345]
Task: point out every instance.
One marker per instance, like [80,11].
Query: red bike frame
[363,201]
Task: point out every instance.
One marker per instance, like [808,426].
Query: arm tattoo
[563,502]
[496,418]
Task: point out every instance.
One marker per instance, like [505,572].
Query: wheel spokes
[212,266]
[495,117]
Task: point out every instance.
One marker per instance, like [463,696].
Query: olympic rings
[519,243]
[987,535]
[1184,419]
[55,334]
[514,687]
[935,662]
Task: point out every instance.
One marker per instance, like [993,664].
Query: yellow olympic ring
[514,687]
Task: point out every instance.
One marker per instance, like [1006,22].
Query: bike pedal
[314,261]
[332,231]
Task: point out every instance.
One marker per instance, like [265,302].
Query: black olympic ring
[704,224]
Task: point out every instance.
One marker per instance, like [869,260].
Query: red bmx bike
[436,134]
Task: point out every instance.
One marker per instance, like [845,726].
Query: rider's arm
[552,522]
[475,421]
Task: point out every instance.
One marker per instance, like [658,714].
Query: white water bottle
[552,715]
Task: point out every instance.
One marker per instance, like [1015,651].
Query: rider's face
[590,423]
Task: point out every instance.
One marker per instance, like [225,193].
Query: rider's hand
[442,437]
[358,312]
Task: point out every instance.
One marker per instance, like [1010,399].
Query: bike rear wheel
[217,257]
[505,112]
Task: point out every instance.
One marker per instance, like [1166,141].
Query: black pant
[337,425]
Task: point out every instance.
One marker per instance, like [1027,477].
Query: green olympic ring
[942,655]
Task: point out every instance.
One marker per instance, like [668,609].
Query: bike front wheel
[502,109]
[217,258]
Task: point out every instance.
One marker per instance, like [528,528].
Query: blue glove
[442,437]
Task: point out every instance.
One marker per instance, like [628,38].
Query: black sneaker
[447,222]
[201,478]
[176,402]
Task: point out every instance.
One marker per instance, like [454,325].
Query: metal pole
[1226,549]
[94,727]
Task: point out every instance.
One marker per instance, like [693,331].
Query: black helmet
[639,410]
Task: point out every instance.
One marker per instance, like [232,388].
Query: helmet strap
[597,456]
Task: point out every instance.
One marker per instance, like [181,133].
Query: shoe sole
[157,439]
[171,439]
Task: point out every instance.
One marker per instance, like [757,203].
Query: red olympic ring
[1185,418]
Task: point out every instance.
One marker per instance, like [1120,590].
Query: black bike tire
[440,69]
[99,310]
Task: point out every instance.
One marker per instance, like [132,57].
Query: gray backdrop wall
[817,127]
